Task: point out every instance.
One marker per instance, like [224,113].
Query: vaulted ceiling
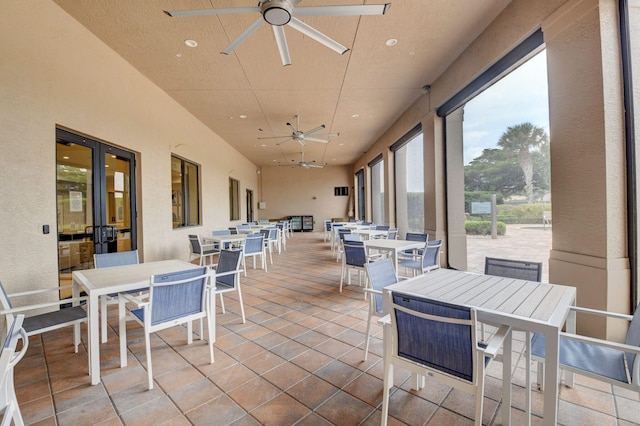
[358,94]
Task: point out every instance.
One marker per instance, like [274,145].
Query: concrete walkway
[521,242]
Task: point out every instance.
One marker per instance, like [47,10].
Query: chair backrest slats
[170,300]
[517,269]
[107,260]
[431,255]
[355,253]
[435,342]
[253,243]
[413,236]
[381,273]
[229,261]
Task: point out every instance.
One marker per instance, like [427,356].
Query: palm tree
[522,139]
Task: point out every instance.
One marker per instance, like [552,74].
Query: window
[234,199]
[377,190]
[409,181]
[185,192]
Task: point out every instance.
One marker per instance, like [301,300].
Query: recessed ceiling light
[264,144]
[65,157]
[191,43]
[355,116]
[412,53]
[391,42]
[178,55]
[243,116]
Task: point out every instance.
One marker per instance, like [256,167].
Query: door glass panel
[74,184]
[118,203]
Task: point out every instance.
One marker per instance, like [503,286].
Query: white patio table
[98,282]
[524,305]
[393,247]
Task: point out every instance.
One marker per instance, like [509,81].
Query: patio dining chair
[428,259]
[228,277]
[510,268]
[355,258]
[66,316]
[270,241]
[392,234]
[381,273]
[413,236]
[253,247]
[610,362]
[327,230]
[201,251]
[174,299]
[282,237]
[438,340]
[9,357]
[108,260]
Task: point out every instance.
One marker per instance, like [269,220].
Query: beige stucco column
[589,248]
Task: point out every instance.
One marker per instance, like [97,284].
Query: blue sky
[519,97]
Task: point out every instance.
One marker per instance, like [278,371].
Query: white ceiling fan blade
[320,127]
[281,41]
[293,129]
[174,13]
[311,32]
[274,137]
[327,135]
[315,140]
[274,132]
[242,37]
[286,140]
[373,9]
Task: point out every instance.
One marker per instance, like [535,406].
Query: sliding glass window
[185,192]
[409,181]
[377,190]
[234,199]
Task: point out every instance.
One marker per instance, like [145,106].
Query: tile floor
[297,360]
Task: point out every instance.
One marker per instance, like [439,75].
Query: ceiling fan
[305,164]
[300,136]
[279,13]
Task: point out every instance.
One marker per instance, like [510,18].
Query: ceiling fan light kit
[280,13]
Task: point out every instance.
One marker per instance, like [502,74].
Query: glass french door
[95,191]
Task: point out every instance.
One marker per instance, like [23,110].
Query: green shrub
[483,227]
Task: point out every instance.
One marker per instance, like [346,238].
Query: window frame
[234,199]
[182,200]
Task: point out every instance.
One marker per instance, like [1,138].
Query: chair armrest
[601,313]
[222,274]
[385,320]
[138,301]
[43,305]
[496,341]
[39,291]
[606,343]
[371,290]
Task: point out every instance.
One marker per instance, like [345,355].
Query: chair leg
[479,395]
[222,303]
[367,337]
[244,321]
[189,332]
[147,342]
[388,384]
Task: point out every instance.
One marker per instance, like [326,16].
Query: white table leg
[94,338]
[552,359]
[506,379]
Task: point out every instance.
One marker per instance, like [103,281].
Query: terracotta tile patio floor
[297,360]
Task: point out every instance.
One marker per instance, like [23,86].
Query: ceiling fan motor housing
[276,12]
